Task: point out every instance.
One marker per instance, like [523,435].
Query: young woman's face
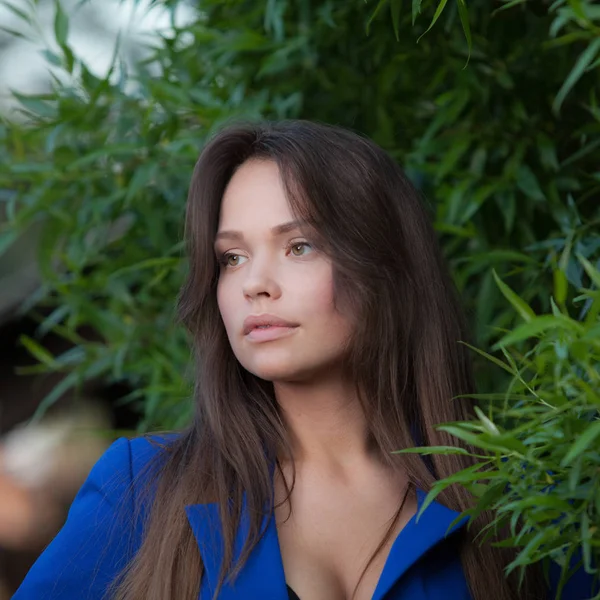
[269,271]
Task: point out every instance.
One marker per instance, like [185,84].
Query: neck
[326,423]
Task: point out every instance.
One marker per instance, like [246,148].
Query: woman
[326,333]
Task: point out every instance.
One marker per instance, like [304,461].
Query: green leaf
[17,11]
[52,58]
[37,351]
[57,391]
[528,183]
[518,303]
[61,24]
[547,152]
[489,425]
[36,105]
[560,286]
[416,10]
[491,358]
[486,304]
[583,442]
[524,556]
[479,440]
[436,16]
[478,199]
[584,60]
[593,273]
[508,5]
[587,149]
[375,12]
[53,319]
[464,19]
[502,444]
[586,538]
[509,211]
[141,178]
[15,33]
[496,396]
[537,326]
[396,9]
[470,473]
[502,256]
[545,500]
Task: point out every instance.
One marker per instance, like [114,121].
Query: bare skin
[344,497]
[343,501]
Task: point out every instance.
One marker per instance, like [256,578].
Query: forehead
[255,195]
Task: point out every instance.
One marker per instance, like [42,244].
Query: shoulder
[148,450]
[137,453]
[103,528]
[128,462]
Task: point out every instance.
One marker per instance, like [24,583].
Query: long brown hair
[405,352]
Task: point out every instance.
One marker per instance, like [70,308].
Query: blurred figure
[42,466]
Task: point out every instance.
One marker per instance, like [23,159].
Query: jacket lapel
[415,539]
[262,576]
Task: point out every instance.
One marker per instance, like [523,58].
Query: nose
[260,281]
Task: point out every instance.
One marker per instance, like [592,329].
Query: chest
[422,562]
[334,545]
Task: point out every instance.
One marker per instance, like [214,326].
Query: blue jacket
[96,543]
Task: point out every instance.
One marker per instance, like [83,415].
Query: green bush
[541,435]
[493,113]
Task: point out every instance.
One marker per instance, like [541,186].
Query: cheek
[335,316]
[323,299]
[314,295]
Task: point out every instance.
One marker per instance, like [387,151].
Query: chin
[284,372]
[279,375]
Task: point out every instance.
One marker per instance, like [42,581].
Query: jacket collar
[415,539]
[263,576]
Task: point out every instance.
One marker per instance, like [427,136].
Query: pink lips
[267,327]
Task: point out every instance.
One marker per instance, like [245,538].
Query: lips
[265,321]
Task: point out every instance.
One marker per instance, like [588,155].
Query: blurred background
[490,106]
[44,463]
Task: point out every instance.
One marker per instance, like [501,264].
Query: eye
[299,248]
[231,260]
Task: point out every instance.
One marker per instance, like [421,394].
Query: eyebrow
[275,231]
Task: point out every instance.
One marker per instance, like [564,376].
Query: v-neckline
[263,574]
[405,495]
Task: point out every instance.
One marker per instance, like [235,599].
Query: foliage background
[494,115]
